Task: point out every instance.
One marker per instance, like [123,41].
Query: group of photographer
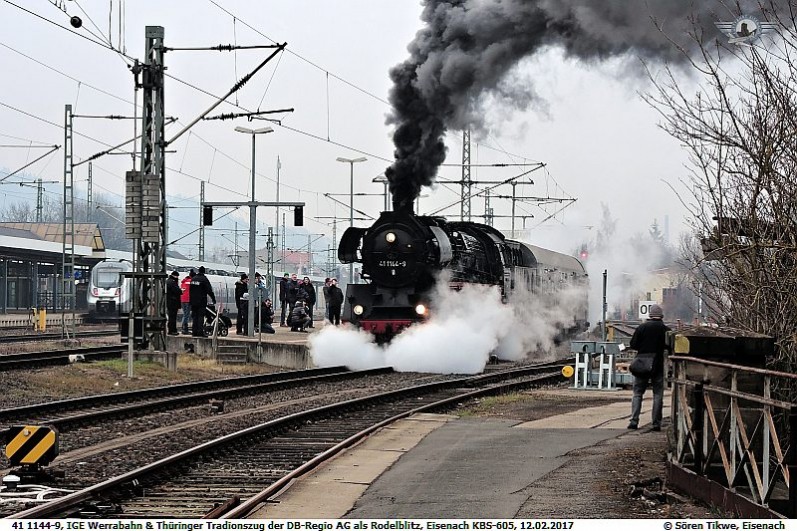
[264,312]
[298,299]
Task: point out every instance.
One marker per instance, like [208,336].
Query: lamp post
[382,179]
[351,163]
[250,330]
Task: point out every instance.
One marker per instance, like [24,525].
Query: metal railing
[731,432]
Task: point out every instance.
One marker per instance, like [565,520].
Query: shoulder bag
[642,366]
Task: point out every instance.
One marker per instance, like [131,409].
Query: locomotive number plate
[392,263]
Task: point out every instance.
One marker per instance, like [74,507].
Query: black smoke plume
[467,47]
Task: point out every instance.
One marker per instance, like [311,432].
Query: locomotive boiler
[403,254]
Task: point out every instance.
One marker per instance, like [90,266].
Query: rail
[734,444]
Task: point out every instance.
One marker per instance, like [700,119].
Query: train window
[107,278]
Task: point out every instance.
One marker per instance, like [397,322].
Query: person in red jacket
[185,300]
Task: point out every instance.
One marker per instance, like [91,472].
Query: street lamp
[252,228]
[351,163]
[382,179]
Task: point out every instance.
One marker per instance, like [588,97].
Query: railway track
[230,475]
[96,410]
[26,360]
[21,338]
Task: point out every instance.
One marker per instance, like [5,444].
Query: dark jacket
[173,293]
[201,290]
[310,290]
[241,287]
[267,314]
[326,293]
[299,313]
[301,293]
[292,294]
[650,337]
[284,284]
[335,296]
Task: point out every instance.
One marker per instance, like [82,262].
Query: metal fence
[734,443]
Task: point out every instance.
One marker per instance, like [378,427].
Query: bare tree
[740,128]
[108,216]
[606,230]
[19,212]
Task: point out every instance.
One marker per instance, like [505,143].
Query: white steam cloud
[465,329]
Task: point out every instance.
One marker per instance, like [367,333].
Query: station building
[31,264]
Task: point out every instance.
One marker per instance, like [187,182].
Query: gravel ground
[24,387]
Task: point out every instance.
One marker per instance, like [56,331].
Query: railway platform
[441,466]
[29,319]
[283,348]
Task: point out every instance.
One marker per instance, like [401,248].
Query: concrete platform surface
[282,334]
[441,466]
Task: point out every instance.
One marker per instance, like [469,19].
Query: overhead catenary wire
[234,89]
[37,159]
[378,157]
[335,76]
[25,146]
[342,80]
[98,43]
[28,140]
[364,91]
[199,228]
[386,159]
[64,74]
[100,37]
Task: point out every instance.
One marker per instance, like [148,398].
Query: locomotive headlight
[358,309]
[420,309]
[390,237]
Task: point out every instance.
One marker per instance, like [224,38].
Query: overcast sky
[599,141]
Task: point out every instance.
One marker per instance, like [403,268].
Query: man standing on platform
[335,302]
[310,299]
[283,297]
[173,295]
[649,340]
[241,287]
[327,283]
[200,291]
[185,299]
[292,295]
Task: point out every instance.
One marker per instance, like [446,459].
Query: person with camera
[299,317]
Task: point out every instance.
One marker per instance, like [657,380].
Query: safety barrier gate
[733,444]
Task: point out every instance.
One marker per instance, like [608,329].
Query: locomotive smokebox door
[33,446]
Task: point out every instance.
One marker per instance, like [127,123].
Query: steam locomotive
[402,255]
